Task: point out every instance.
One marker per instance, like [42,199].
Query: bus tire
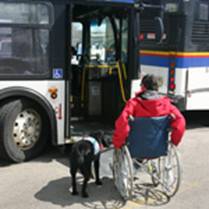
[22,130]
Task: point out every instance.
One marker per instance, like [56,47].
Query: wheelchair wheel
[123,172]
[170,171]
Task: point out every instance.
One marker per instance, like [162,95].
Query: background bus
[181,59]
[63,65]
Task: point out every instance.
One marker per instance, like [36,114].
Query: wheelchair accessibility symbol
[57,73]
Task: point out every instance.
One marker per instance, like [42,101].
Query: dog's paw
[74,193]
[99,183]
[85,195]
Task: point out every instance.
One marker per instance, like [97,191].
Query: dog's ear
[98,135]
[105,139]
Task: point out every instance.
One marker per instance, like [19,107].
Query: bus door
[100,65]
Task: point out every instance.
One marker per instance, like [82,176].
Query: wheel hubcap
[26,129]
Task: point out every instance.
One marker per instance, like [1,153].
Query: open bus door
[104,60]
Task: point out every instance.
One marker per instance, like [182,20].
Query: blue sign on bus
[57,73]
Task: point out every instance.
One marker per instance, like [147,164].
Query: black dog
[83,153]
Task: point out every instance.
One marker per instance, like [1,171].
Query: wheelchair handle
[130,118]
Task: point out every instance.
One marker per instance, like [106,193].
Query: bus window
[23,13]
[173,29]
[200,31]
[102,41]
[202,12]
[24,39]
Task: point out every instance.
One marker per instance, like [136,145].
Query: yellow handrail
[121,81]
[124,71]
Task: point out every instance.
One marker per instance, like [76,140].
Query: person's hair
[150,82]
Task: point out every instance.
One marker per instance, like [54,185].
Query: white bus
[52,88]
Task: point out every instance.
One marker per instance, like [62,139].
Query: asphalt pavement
[45,183]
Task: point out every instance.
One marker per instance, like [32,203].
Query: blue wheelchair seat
[148,137]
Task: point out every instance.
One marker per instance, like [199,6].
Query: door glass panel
[76,43]
[124,40]
[102,41]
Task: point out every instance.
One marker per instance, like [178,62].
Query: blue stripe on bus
[154,60]
[181,62]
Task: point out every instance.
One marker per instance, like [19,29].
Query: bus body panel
[198,88]
[159,71]
[180,77]
[44,88]
[181,81]
[194,87]
[191,75]
[163,73]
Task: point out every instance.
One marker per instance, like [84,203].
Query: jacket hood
[155,104]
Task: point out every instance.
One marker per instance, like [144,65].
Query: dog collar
[95,144]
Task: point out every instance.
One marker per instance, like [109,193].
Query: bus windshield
[24,39]
[173,19]
[186,26]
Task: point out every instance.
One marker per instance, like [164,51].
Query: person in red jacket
[148,103]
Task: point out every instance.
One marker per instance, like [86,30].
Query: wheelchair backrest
[148,137]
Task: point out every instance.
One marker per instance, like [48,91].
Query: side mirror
[159,29]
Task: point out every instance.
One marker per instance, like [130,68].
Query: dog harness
[95,144]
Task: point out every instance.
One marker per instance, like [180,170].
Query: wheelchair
[148,150]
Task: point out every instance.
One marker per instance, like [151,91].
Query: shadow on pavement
[100,197]
[196,119]
[49,154]
[4,163]
[149,196]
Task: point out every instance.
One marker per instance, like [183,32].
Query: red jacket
[139,107]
